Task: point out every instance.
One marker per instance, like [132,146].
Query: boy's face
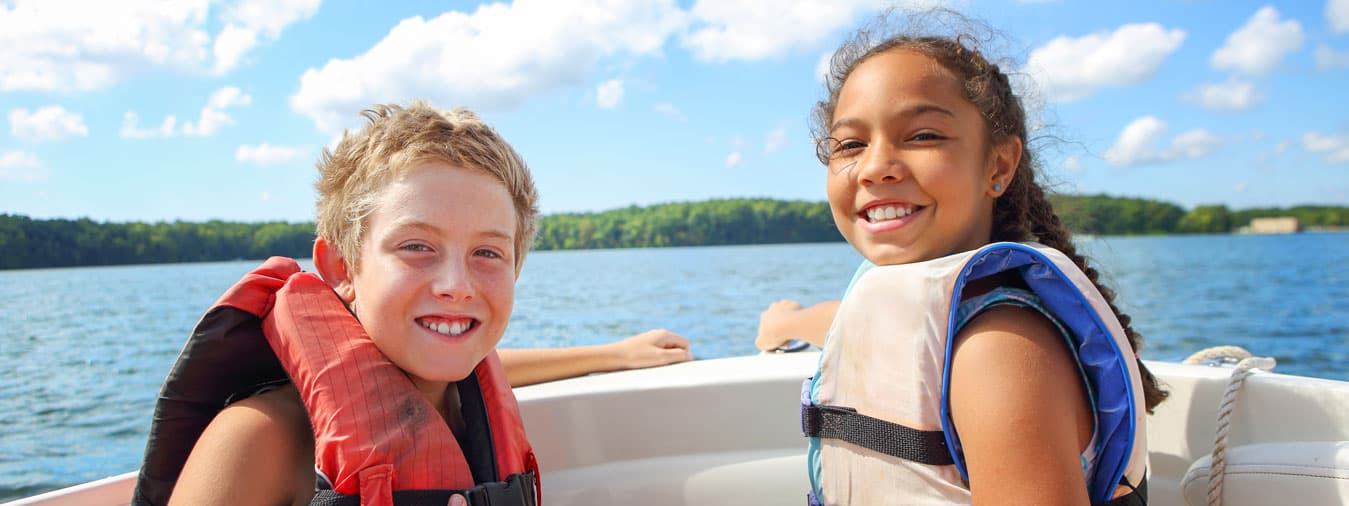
[435,281]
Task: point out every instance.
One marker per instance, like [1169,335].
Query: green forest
[35,243]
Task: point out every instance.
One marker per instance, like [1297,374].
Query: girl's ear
[1006,157]
[332,267]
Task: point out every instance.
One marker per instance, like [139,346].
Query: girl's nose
[880,164]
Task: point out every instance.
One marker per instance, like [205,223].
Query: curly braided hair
[1021,213]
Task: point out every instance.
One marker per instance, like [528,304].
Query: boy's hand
[458,500]
[650,349]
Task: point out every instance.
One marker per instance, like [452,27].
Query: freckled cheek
[498,287]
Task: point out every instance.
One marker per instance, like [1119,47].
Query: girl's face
[911,174]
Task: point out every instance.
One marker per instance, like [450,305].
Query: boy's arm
[648,349]
[256,451]
[785,320]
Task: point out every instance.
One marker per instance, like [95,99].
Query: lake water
[85,349]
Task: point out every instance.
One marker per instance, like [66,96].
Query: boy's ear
[1006,157]
[332,267]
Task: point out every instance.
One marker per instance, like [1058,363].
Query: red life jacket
[376,438]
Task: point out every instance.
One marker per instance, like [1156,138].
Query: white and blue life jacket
[877,411]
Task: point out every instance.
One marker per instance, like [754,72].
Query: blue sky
[194,110]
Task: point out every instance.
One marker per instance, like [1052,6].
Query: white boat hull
[727,431]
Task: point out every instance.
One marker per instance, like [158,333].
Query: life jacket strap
[1136,497]
[517,490]
[846,424]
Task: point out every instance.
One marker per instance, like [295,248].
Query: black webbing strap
[517,490]
[1137,497]
[836,422]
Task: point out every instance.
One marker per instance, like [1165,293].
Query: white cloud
[775,139]
[132,130]
[1072,68]
[1196,143]
[1337,14]
[822,66]
[670,111]
[1239,188]
[20,166]
[1336,147]
[251,22]
[492,59]
[1073,165]
[733,160]
[213,116]
[1234,95]
[73,45]
[1328,58]
[1136,144]
[1257,46]
[265,196]
[609,94]
[267,154]
[727,30]
[77,45]
[49,123]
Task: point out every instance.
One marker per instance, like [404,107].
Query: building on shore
[1280,225]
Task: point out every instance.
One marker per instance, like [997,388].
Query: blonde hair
[396,139]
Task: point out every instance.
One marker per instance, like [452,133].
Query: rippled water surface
[84,350]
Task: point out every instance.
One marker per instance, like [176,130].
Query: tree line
[1106,215]
[36,243]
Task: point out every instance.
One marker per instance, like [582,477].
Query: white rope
[1244,369]
[1217,353]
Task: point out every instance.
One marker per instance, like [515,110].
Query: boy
[424,219]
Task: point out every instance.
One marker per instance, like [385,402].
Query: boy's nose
[880,164]
[454,282]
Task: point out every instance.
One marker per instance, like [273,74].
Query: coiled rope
[1246,366]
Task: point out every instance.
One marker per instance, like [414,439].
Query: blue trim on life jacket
[1100,357]
[810,395]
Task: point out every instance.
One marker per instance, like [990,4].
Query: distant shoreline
[27,243]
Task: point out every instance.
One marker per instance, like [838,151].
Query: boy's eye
[415,246]
[927,136]
[487,253]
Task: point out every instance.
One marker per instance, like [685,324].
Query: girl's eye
[830,149]
[927,136]
[848,148]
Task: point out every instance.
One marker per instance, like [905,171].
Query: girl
[960,368]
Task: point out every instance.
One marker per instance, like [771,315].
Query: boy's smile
[435,281]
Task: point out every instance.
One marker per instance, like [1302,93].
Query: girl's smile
[887,215]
